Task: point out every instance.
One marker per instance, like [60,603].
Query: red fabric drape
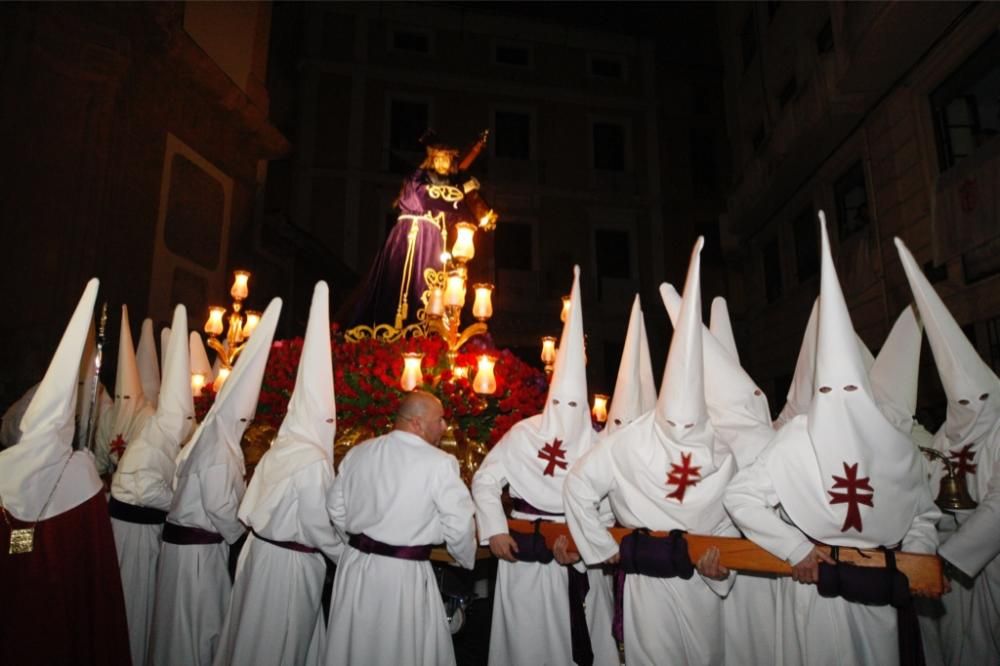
[62,603]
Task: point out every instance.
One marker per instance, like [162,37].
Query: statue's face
[442,163]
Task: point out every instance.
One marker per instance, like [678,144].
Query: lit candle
[214,324]
[464,249]
[435,302]
[454,292]
[461,372]
[253,318]
[482,307]
[220,379]
[600,410]
[485,382]
[197,384]
[412,374]
[565,309]
[240,290]
[548,350]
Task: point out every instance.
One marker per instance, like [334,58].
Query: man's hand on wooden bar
[561,551]
[503,546]
[709,566]
[807,570]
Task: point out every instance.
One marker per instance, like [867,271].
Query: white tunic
[143,478]
[531,614]
[275,616]
[814,629]
[192,583]
[399,490]
[970,623]
[666,620]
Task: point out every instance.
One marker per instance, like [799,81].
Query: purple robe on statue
[428,204]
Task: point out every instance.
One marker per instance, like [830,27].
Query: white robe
[276,616]
[816,630]
[969,622]
[666,620]
[531,615]
[143,478]
[400,490]
[192,582]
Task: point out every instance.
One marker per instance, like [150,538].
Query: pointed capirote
[200,364]
[43,463]
[721,326]
[566,411]
[635,387]
[844,447]
[737,407]
[895,371]
[971,387]
[234,408]
[149,364]
[307,432]
[164,341]
[680,404]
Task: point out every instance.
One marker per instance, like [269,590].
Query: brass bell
[953,495]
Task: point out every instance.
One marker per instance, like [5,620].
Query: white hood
[43,463]
[149,365]
[218,436]
[843,473]
[635,388]
[894,374]
[199,358]
[310,425]
[737,408]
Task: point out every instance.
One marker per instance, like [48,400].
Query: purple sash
[289,545]
[877,586]
[522,506]
[532,548]
[188,536]
[641,553]
[130,513]
[366,544]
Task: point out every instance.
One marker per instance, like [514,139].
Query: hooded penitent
[149,365]
[127,416]
[894,373]
[44,458]
[803,380]
[543,447]
[635,388]
[310,425]
[737,408]
[972,389]
[843,473]
[218,437]
[671,455]
[199,359]
[157,446]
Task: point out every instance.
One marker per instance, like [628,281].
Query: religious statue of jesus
[432,200]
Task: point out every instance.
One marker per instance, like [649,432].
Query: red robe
[62,603]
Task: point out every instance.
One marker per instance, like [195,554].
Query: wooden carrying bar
[923,571]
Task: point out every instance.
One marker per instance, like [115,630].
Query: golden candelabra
[241,326]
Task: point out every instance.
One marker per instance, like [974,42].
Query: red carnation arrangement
[366,381]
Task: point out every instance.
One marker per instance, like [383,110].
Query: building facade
[137,147]
[584,163]
[885,116]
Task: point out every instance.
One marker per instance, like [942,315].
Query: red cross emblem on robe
[853,495]
[682,476]
[962,459]
[555,455]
